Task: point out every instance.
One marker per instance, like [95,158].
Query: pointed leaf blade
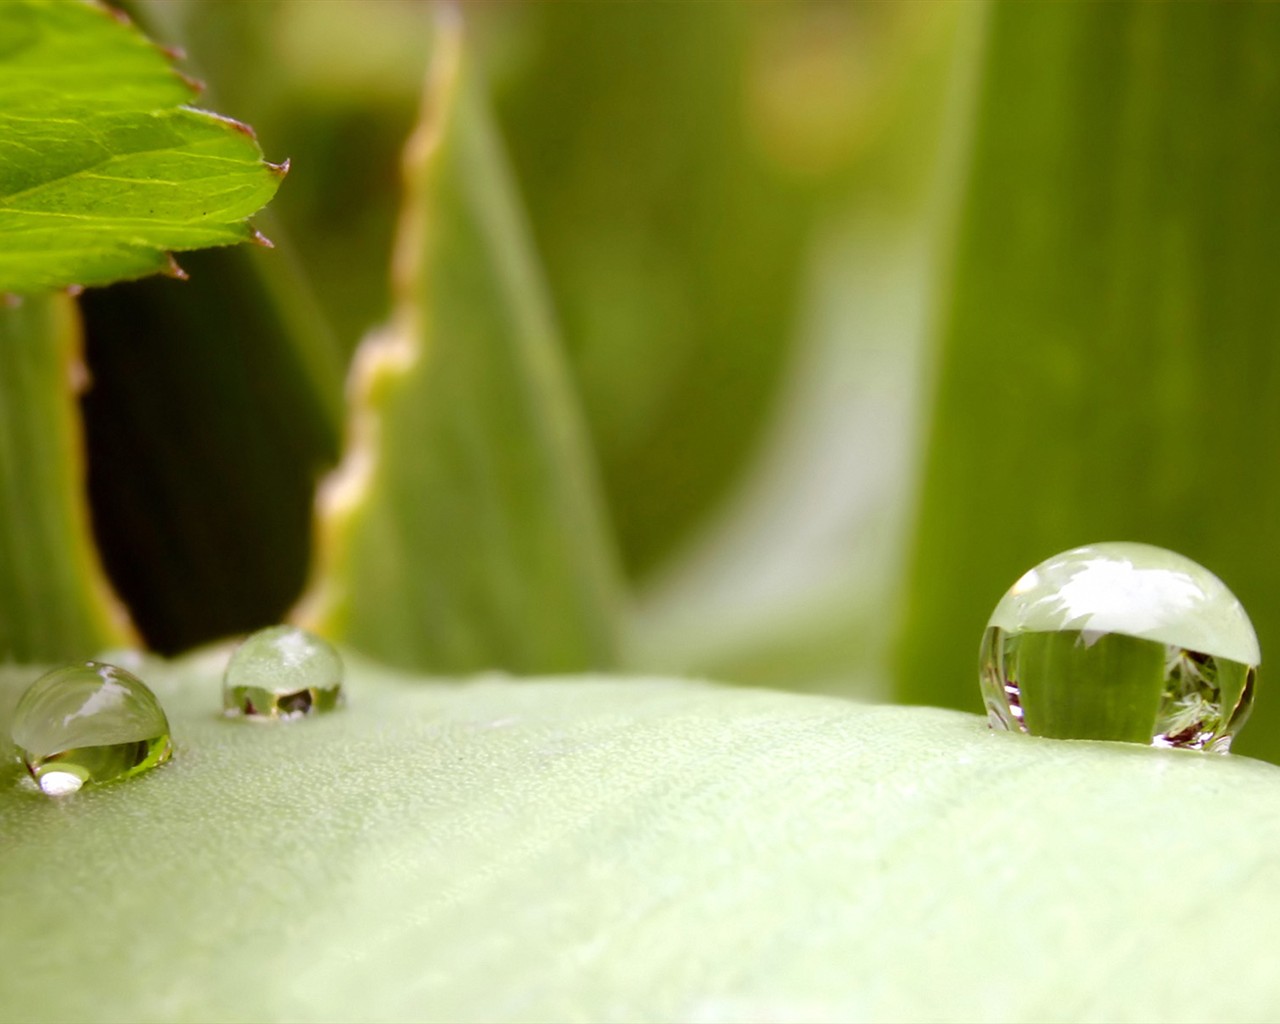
[463,530]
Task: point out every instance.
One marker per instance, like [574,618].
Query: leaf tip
[175,271]
[280,169]
[194,84]
[239,126]
[258,238]
[117,14]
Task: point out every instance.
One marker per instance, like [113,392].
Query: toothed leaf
[103,169]
[462,530]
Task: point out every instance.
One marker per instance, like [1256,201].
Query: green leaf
[341,111]
[636,849]
[1108,366]
[462,529]
[102,167]
[54,600]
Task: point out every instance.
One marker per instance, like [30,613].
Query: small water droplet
[1120,641]
[282,673]
[89,723]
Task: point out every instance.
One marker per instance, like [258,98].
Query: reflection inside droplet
[280,674]
[1120,642]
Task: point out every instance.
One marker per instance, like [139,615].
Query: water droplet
[282,673]
[1120,641]
[89,723]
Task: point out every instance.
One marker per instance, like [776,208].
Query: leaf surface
[103,169]
[462,529]
[54,599]
[636,849]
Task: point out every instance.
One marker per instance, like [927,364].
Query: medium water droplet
[1120,641]
[282,673]
[89,723]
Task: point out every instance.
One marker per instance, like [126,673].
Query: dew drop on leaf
[1120,641]
[89,723]
[282,673]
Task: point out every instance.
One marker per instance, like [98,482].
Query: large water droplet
[282,673]
[89,723]
[1120,642]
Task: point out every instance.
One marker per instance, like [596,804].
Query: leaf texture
[636,849]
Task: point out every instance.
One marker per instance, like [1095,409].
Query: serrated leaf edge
[387,354]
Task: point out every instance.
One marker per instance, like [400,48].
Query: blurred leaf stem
[55,602]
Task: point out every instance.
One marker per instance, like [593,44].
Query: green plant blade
[790,583]
[54,600]
[674,231]
[1107,352]
[462,530]
[630,849]
[103,170]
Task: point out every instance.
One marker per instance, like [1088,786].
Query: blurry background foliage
[868,308]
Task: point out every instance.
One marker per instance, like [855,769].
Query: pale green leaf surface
[636,849]
[54,600]
[103,170]
[463,529]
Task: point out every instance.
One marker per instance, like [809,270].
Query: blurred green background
[868,307]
